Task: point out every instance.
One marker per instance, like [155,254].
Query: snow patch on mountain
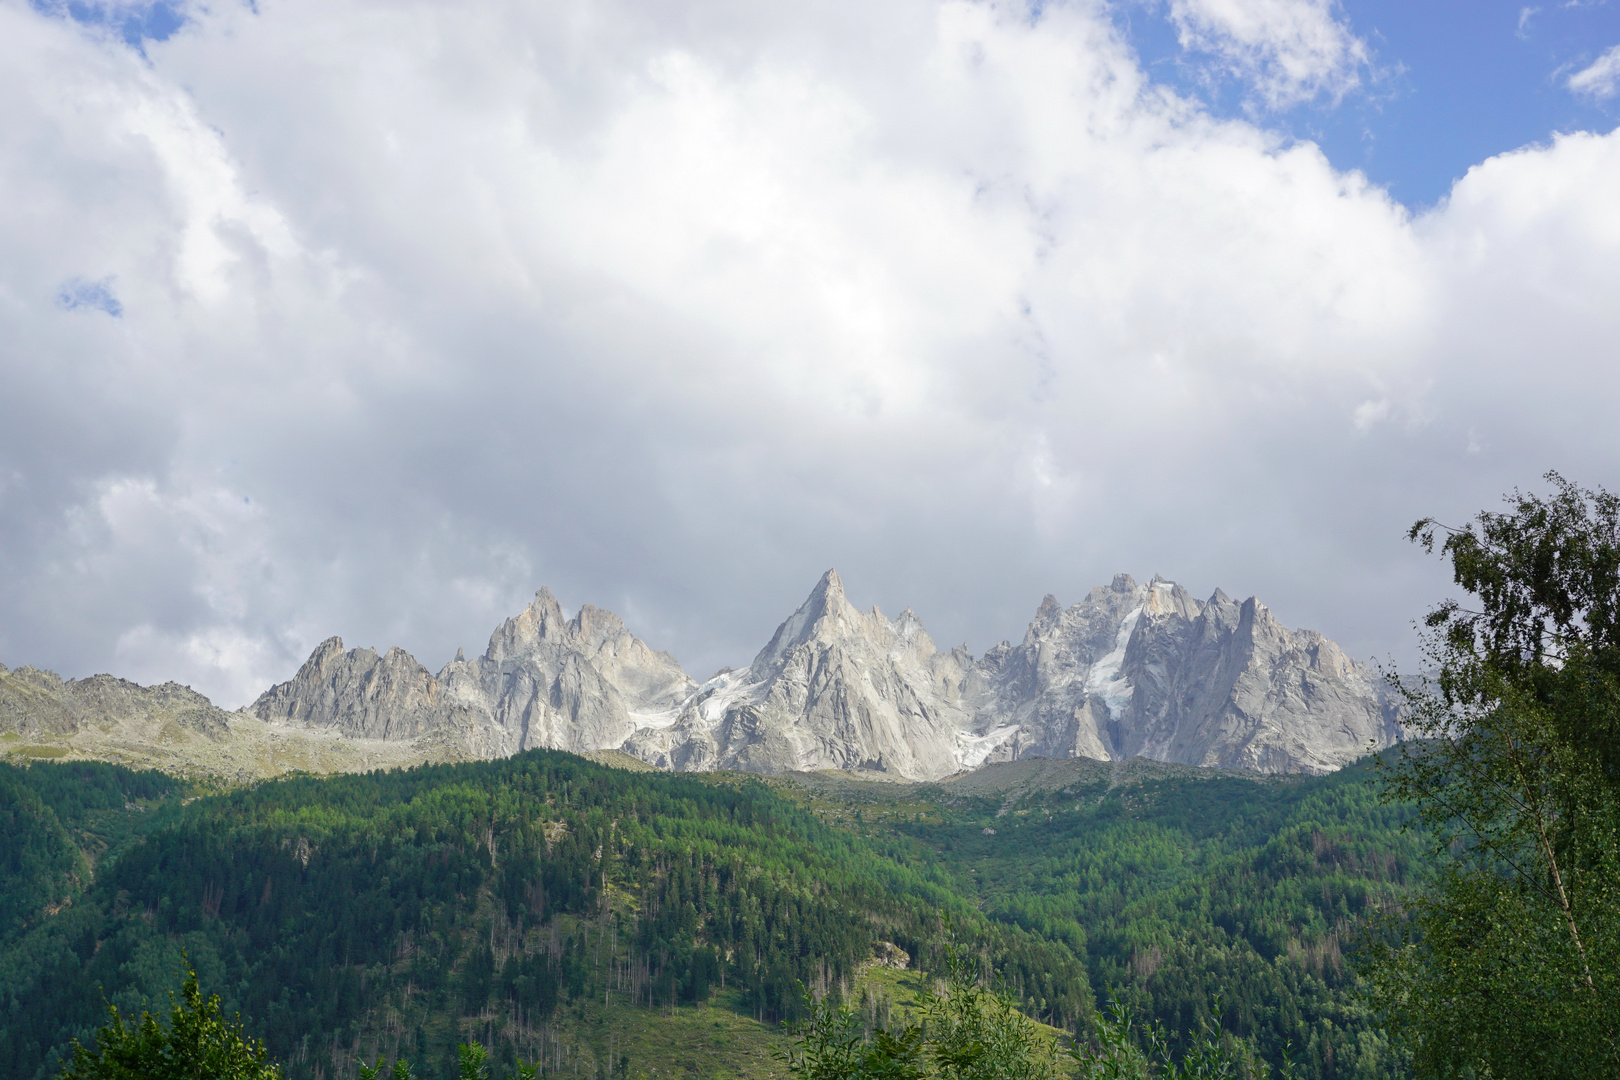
[1129,670]
[1107,677]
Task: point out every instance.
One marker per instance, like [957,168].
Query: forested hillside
[605,922]
[57,822]
[1181,887]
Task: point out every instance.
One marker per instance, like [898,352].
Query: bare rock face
[545,681]
[1130,671]
[578,684]
[1063,690]
[36,702]
[360,694]
[1149,671]
[836,688]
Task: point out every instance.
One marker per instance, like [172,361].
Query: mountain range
[583,916]
[1132,670]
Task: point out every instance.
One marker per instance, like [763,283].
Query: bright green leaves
[401,1071]
[1510,964]
[197,1044]
[975,1033]
[832,1044]
[1116,1054]
[969,1032]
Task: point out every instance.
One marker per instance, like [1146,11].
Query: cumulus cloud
[1601,79]
[422,307]
[1289,51]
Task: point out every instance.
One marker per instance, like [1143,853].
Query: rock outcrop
[36,702]
[1147,670]
[578,684]
[1130,671]
[836,688]
[360,694]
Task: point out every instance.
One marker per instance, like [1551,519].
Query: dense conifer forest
[592,919]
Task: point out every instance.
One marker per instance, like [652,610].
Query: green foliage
[1509,965]
[524,886]
[196,1044]
[40,866]
[1115,1054]
[49,814]
[472,1062]
[969,1032]
[976,1033]
[77,790]
[1174,892]
[832,1043]
[531,901]
[401,1071]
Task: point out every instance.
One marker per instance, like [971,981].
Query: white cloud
[1289,51]
[233,666]
[1525,15]
[1370,413]
[671,313]
[1599,80]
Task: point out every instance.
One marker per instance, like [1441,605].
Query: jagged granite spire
[1133,669]
[826,601]
[836,688]
[545,680]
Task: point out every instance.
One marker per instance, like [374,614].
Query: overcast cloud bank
[368,319]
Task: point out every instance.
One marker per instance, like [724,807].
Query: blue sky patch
[79,293]
[136,23]
[1448,83]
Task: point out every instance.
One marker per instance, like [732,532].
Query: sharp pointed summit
[545,680]
[825,614]
[1133,669]
[836,688]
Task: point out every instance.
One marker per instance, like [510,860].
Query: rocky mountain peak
[1122,583]
[522,635]
[1133,669]
[324,652]
[1165,597]
[576,684]
[36,702]
[825,616]
[322,659]
[835,688]
[910,639]
[828,601]
[596,626]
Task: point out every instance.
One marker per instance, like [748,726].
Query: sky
[370,319]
